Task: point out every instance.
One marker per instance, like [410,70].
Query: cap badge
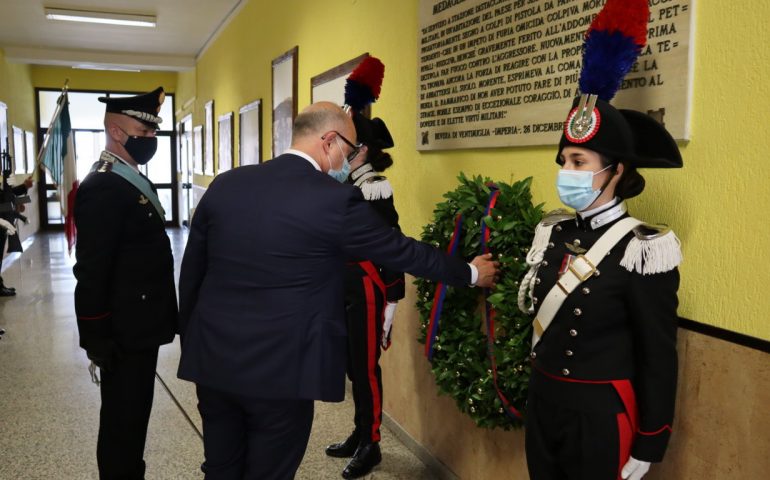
[583,121]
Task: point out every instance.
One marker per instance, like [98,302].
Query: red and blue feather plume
[362,87]
[612,45]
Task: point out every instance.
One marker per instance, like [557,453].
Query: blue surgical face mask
[576,188]
[340,175]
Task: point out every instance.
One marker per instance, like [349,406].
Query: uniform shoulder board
[104,166]
[556,216]
[653,249]
[377,188]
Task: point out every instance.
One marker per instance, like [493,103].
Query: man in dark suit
[262,307]
[125,298]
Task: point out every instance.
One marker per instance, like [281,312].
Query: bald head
[316,132]
[319,118]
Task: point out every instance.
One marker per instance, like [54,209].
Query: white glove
[6,225]
[634,469]
[390,313]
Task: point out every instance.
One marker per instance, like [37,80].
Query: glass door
[186,172]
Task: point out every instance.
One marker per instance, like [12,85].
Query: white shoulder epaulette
[654,249]
[376,188]
[556,216]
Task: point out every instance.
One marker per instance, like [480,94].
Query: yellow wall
[722,189]
[54,77]
[17,93]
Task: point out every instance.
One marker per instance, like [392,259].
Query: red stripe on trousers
[371,361]
[625,440]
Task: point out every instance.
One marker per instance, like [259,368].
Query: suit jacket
[394,280]
[616,325]
[125,270]
[262,280]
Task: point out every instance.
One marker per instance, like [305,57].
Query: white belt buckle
[579,268]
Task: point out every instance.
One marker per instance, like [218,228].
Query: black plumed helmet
[612,45]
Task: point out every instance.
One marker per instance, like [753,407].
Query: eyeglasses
[356,148]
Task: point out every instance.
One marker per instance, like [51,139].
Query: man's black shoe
[344,449]
[365,459]
[7,292]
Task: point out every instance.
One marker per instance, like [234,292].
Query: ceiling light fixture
[111,18]
[112,68]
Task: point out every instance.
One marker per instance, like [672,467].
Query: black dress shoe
[7,292]
[344,449]
[365,459]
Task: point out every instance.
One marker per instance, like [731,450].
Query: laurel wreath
[461,364]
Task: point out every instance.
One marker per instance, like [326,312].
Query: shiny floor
[49,407]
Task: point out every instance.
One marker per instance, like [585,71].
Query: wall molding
[726,335]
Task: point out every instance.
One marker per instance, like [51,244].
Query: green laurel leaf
[461,367]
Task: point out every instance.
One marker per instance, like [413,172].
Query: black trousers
[575,431]
[250,438]
[365,304]
[127,392]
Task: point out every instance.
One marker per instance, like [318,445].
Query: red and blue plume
[363,85]
[612,45]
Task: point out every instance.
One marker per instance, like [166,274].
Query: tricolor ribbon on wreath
[440,295]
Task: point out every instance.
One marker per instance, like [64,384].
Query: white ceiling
[184,28]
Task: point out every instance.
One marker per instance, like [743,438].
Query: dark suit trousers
[127,391]
[250,438]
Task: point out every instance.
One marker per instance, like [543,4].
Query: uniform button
[557,228]
[537,280]
[586,290]
[568,353]
[533,355]
[535,300]
[597,273]
[149,214]
[565,371]
[144,297]
[573,333]
[578,312]
[576,242]
[550,244]
[545,263]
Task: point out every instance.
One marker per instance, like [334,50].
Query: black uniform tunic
[618,325]
[126,307]
[367,289]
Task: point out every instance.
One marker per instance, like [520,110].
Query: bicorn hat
[362,88]
[612,46]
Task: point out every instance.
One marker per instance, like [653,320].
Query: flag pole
[59,107]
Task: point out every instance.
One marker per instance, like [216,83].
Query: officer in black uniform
[372,293]
[10,212]
[603,290]
[125,298]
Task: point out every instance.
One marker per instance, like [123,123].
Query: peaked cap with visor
[144,107]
